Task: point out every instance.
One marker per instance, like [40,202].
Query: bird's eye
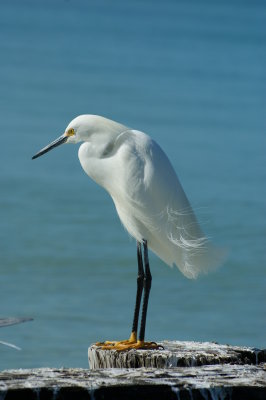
[71,132]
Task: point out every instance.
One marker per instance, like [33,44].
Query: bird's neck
[95,154]
[104,135]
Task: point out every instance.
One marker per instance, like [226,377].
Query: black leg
[143,287]
[140,282]
[147,288]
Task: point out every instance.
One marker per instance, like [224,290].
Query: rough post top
[175,354]
[233,382]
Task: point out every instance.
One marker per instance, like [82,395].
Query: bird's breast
[92,165]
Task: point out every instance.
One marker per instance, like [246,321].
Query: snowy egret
[149,200]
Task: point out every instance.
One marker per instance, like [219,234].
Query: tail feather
[186,246]
[201,257]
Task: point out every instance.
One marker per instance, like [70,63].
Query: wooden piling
[183,370]
[175,354]
[209,382]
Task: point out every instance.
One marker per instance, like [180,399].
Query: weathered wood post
[174,354]
[181,371]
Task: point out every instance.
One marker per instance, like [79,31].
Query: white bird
[149,200]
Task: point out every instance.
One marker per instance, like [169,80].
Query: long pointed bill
[62,139]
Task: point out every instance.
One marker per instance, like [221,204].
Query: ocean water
[190,74]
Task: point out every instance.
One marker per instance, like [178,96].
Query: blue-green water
[190,74]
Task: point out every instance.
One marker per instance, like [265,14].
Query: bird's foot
[126,345]
[108,345]
[140,345]
[131,343]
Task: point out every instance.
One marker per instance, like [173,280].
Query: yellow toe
[131,343]
[139,345]
[115,344]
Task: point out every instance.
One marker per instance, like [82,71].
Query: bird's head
[85,128]
[79,129]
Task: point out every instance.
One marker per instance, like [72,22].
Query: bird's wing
[13,321]
[161,205]
[13,346]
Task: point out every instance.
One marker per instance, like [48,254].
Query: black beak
[55,143]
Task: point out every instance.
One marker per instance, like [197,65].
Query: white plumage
[150,202]
[147,194]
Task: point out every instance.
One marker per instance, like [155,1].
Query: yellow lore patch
[70,132]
